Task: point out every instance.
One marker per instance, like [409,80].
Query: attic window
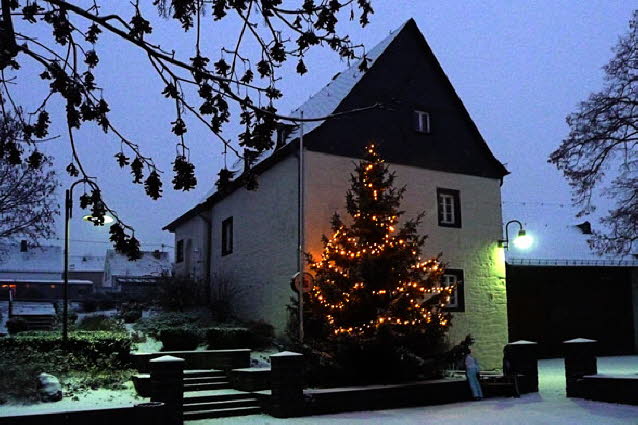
[422,122]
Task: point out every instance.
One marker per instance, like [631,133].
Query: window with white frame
[422,121]
[454,277]
[449,207]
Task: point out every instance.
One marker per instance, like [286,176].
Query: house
[36,273]
[251,238]
[87,267]
[560,289]
[21,261]
[122,275]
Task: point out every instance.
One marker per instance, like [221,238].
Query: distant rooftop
[44,259]
[154,263]
[560,238]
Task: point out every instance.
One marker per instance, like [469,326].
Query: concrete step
[205,379]
[203,373]
[213,396]
[221,413]
[207,386]
[212,405]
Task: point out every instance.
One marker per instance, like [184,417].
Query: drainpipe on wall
[300,253]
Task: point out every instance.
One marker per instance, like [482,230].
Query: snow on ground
[548,407]
[92,399]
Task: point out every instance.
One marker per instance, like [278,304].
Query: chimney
[23,246]
[585,227]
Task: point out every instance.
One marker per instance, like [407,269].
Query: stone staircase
[207,394]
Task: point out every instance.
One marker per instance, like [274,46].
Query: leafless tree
[201,84]
[601,150]
[28,203]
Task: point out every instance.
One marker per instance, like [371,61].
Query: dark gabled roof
[237,183]
[404,77]
[403,74]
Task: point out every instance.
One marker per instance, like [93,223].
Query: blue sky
[519,67]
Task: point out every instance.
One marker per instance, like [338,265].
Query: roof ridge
[317,104]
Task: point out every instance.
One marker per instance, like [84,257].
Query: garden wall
[141,414]
[209,359]
[386,396]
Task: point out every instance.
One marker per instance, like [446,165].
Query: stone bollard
[167,386]
[522,357]
[580,360]
[286,378]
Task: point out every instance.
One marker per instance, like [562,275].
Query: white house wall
[472,248]
[194,234]
[265,243]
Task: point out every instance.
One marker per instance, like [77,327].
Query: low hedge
[227,338]
[184,338]
[83,351]
[94,359]
[100,322]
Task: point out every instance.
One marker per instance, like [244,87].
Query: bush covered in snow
[184,338]
[100,323]
[96,356]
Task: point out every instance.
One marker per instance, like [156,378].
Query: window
[449,206]
[457,299]
[179,251]
[422,122]
[227,236]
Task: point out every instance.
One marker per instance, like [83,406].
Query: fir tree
[371,280]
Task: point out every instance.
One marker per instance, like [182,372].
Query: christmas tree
[371,279]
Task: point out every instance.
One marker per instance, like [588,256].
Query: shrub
[153,325]
[261,334]
[180,339]
[100,323]
[106,300]
[131,316]
[94,359]
[16,324]
[226,338]
[180,293]
[224,297]
[89,305]
[130,311]
[84,349]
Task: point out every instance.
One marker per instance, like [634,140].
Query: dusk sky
[519,67]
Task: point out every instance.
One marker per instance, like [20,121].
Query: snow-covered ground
[92,399]
[548,407]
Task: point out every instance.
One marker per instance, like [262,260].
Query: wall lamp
[522,241]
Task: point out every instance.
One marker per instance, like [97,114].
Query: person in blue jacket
[472,374]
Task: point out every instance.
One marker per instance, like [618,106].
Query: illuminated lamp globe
[91,219]
[523,240]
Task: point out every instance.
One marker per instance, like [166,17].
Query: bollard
[522,357]
[167,386]
[286,379]
[580,360]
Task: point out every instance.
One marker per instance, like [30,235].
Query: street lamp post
[68,214]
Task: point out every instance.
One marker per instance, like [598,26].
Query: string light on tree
[370,273]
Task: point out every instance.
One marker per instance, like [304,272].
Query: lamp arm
[505,242]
